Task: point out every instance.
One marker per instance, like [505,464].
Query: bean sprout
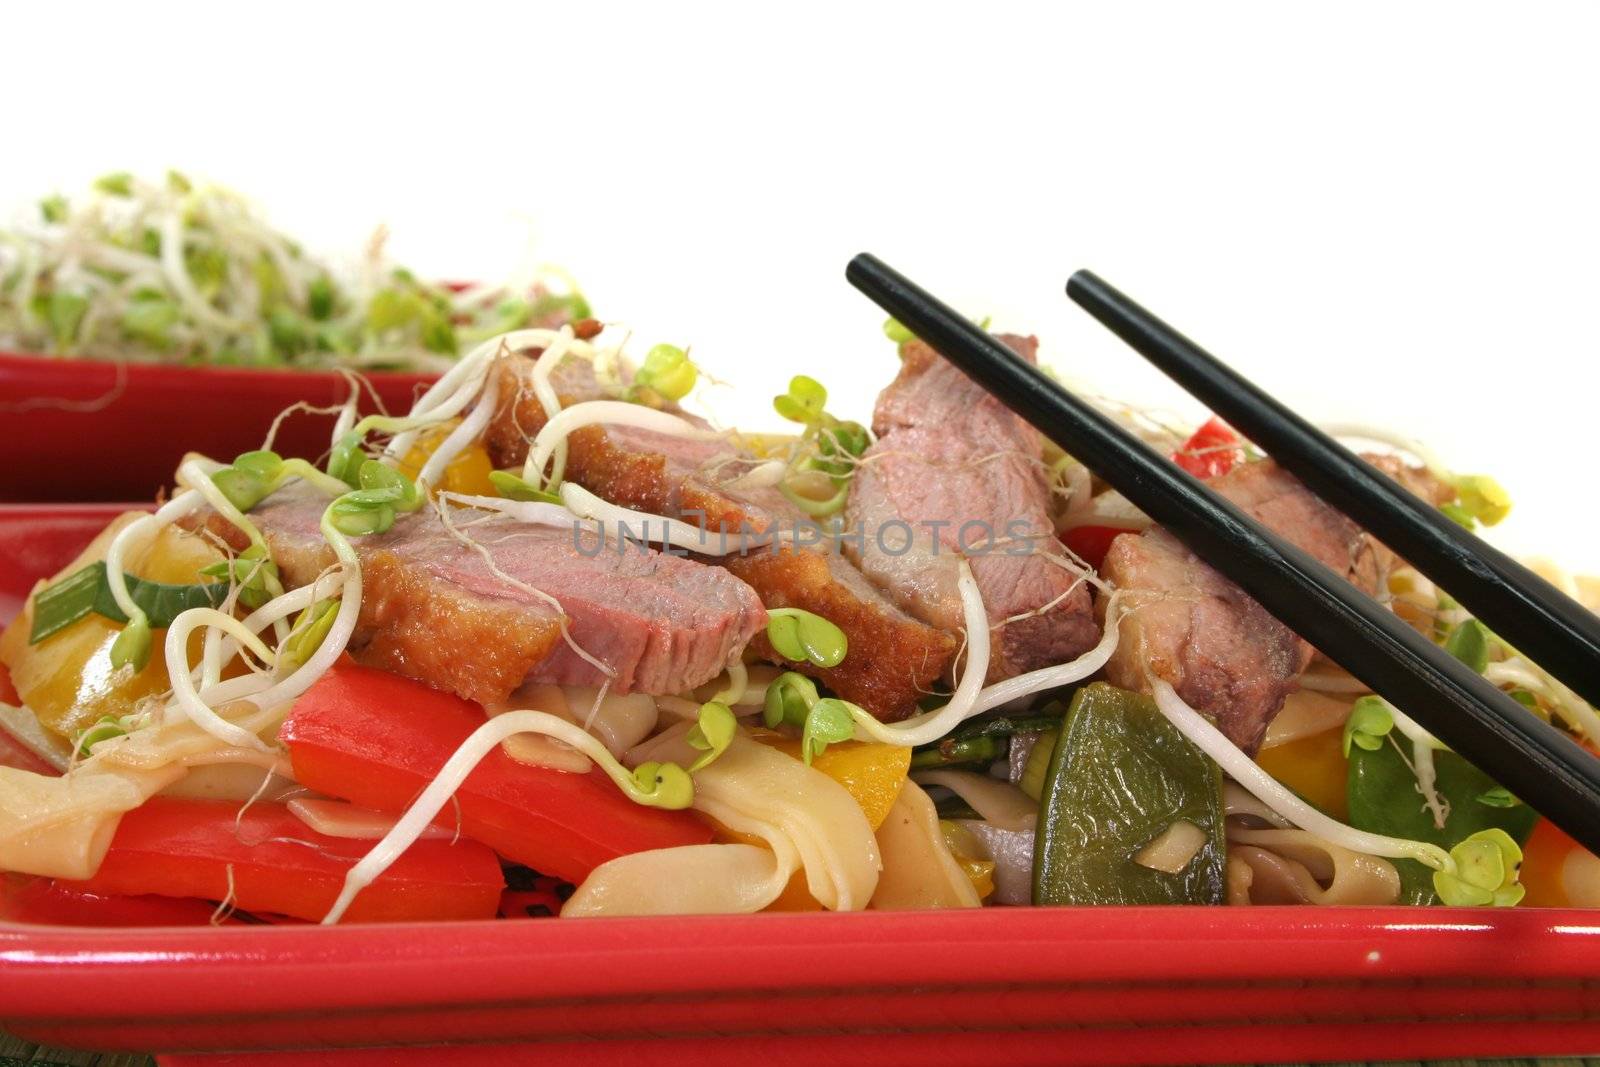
[1242,769]
[612,413]
[484,739]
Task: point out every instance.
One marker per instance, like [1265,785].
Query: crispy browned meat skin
[893,658]
[434,610]
[960,474]
[1222,651]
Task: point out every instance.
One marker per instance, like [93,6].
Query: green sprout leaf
[118,183]
[321,297]
[344,462]
[251,571]
[287,331]
[438,335]
[132,646]
[1498,797]
[843,439]
[1369,723]
[1525,698]
[804,401]
[363,512]
[64,312]
[512,486]
[376,477]
[790,698]
[150,320]
[712,734]
[1487,864]
[896,331]
[250,478]
[1483,498]
[53,208]
[178,183]
[1469,642]
[104,730]
[668,372]
[803,636]
[559,307]
[660,785]
[828,722]
[393,308]
[311,626]
[206,265]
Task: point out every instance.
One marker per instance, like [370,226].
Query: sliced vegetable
[65,602]
[1383,799]
[69,681]
[470,473]
[262,858]
[1091,543]
[57,903]
[1314,767]
[377,740]
[1037,768]
[1121,775]
[969,856]
[1213,449]
[952,751]
[872,773]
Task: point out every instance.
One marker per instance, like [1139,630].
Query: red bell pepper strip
[1091,543]
[268,860]
[377,740]
[57,903]
[1212,450]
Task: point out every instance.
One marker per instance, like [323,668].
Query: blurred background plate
[87,430]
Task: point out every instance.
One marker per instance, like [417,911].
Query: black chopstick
[1528,756]
[1557,632]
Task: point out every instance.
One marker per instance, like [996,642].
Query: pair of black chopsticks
[1533,759]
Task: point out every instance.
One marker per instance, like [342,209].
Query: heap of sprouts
[182,272]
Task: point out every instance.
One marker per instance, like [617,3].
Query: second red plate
[79,429]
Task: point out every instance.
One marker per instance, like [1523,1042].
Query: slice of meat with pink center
[954,474]
[1222,652]
[435,609]
[893,658]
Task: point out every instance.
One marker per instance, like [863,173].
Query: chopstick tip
[1083,280]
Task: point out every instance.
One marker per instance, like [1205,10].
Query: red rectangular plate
[79,429]
[1009,986]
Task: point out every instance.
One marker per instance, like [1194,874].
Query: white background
[1384,211]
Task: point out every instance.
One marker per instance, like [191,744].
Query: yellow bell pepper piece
[872,773]
[468,473]
[1315,768]
[964,849]
[67,679]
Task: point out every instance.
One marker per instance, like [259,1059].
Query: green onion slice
[87,590]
